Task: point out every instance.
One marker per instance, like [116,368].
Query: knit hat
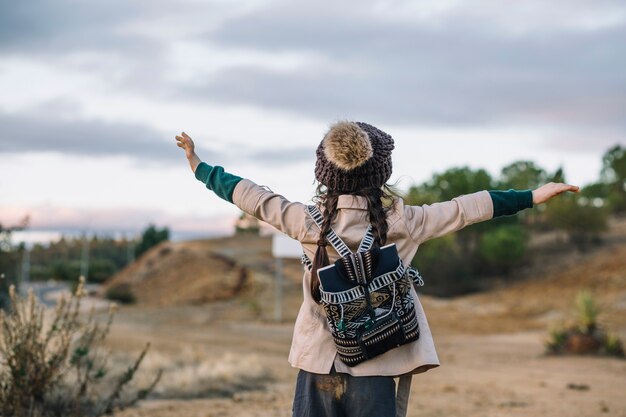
[352,156]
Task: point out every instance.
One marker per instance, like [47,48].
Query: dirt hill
[542,300]
[200,271]
[241,268]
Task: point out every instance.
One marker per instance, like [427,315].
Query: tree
[595,190]
[522,175]
[450,184]
[61,259]
[151,237]
[247,224]
[614,175]
[504,247]
[444,266]
[579,218]
[558,176]
[9,257]
[595,194]
[454,260]
[457,181]
[421,194]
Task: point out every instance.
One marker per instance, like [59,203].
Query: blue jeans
[343,395]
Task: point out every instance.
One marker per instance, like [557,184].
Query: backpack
[367,297]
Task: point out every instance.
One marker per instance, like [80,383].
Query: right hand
[547,191]
[185,142]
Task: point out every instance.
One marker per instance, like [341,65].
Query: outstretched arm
[265,205]
[430,221]
[214,177]
[506,203]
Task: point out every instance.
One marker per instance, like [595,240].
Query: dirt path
[481,374]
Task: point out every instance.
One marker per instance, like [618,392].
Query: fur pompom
[347,145]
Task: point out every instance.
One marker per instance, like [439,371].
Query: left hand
[551,189]
[185,142]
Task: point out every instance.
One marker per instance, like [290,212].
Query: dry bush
[122,293]
[584,336]
[57,366]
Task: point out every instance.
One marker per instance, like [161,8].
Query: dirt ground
[228,358]
[503,374]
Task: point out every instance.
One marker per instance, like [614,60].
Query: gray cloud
[36,132]
[282,155]
[64,25]
[530,63]
[408,73]
[586,141]
[112,36]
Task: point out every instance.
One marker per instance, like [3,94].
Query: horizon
[222,225]
[46,235]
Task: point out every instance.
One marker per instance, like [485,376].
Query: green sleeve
[216,179]
[506,203]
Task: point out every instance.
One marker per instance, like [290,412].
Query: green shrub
[584,336]
[504,247]
[100,269]
[63,270]
[556,339]
[57,367]
[613,346]
[150,237]
[587,311]
[445,267]
[579,218]
[614,176]
[121,293]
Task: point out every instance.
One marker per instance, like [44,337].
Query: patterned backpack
[366,296]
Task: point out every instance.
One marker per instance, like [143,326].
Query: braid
[329,200]
[377,217]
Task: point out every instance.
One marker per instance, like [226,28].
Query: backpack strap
[415,276]
[334,239]
[366,244]
[367,241]
[304,260]
[402,395]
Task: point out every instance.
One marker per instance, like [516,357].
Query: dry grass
[193,375]
[54,363]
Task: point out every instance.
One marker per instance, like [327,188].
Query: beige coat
[312,347]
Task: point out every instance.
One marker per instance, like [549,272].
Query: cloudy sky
[93,93]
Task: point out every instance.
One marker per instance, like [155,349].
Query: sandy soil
[504,374]
[227,358]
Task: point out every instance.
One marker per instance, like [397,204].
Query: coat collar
[349,201]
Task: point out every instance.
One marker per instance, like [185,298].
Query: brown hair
[379,202]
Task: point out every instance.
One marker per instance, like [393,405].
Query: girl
[353,166]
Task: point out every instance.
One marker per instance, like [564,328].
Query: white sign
[285,247]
